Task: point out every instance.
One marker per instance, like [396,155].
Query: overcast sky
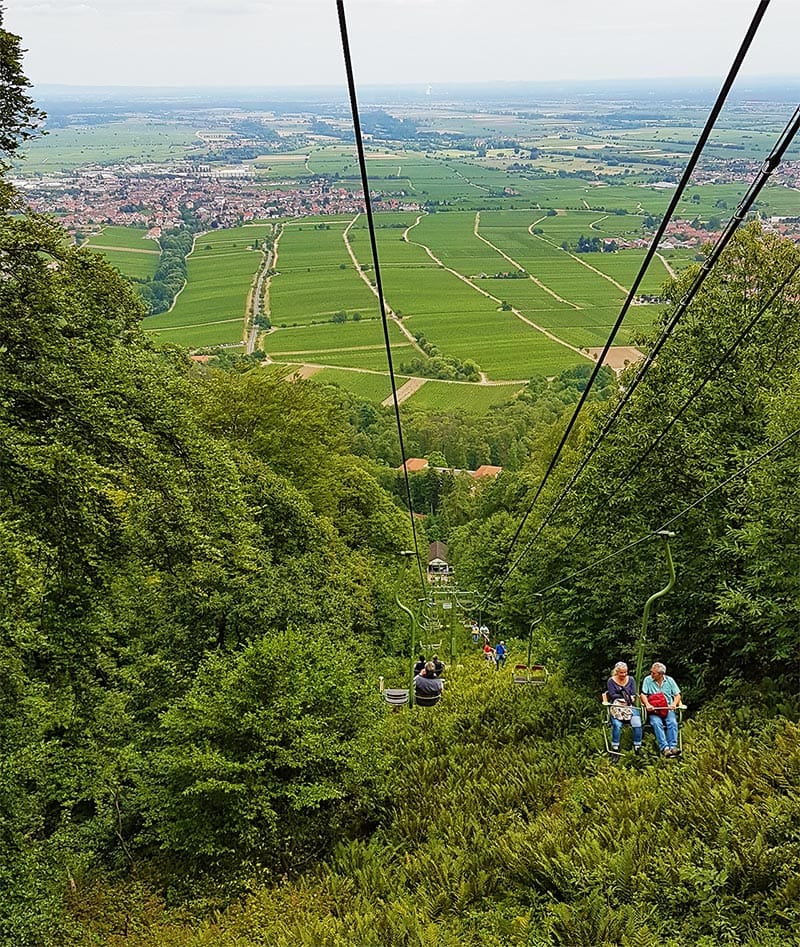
[296,42]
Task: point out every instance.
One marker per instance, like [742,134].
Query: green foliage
[436,365]
[149,524]
[196,576]
[258,766]
[733,616]
[505,436]
[160,290]
[502,825]
[19,117]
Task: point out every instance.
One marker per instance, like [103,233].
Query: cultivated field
[127,249]
[316,277]
[444,275]
[485,266]
[129,140]
[212,307]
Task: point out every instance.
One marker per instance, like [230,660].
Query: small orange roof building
[487,470]
[414,465]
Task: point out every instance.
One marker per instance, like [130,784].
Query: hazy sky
[296,42]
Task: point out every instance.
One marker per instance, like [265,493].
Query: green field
[444,282]
[131,139]
[433,395]
[486,270]
[442,279]
[316,277]
[371,360]
[123,238]
[209,335]
[128,250]
[473,399]
[373,386]
[211,308]
[351,344]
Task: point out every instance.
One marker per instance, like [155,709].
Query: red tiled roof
[414,464]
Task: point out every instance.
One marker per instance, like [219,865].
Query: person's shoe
[666,752]
[637,750]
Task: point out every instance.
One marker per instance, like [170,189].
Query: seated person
[426,683]
[438,666]
[488,652]
[621,694]
[420,665]
[661,696]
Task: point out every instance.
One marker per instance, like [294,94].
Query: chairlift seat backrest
[533,674]
[427,700]
[395,697]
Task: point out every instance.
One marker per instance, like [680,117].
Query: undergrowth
[503,824]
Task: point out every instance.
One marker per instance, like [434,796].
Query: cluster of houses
[418,464]
[157,197]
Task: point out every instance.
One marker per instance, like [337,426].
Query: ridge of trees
[159,290]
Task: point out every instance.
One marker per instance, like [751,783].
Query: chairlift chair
[530,674]
[433,648]
[427,700]
[644,717]
[396,697]
[665,536]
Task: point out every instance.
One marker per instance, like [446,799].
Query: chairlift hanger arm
[666,536]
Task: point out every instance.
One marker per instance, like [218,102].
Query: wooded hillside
[199,568]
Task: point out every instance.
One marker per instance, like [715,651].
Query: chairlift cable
[733,476]
[721,362]
[617,552]
[681,187]
[362,162]
[770,163]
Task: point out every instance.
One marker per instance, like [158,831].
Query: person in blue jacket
[500,653]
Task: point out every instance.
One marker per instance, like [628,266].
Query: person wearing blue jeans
[621,695]
[500,655]
[660,693]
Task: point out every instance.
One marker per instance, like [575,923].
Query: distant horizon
[698,90]
[762,79]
